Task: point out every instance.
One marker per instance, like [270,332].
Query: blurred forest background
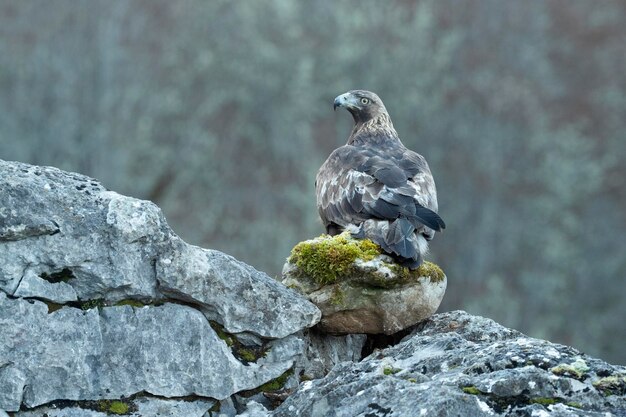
[221,113]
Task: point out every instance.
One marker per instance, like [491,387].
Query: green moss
[117,407]
[275,384]
[328,259]
[430,270]
[338,297]
[247,355]
[574,405]
[545,401]
[239,350]
[427,269]
[471,390]
[388,370]
[612,385]
[413,380]
[576,369]
[222,334]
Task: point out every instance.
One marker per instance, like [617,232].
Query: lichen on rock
[358,288]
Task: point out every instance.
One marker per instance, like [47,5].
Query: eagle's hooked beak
[343,101]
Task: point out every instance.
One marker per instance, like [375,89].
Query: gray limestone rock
[67,242]
[61,412]
[114,352]
[51,220]
[359,290]
[65,239]
[456,364]
[225,290]
[324,351]
[142,406]
[33,286]
[112,247]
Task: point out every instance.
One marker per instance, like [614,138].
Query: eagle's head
[363,105]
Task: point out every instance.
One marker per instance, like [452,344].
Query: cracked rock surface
[70,251]
[456,364]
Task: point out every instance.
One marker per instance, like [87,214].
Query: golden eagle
[375,187]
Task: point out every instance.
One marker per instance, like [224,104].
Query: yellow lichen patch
[327,259]
[611,385]
[576,369]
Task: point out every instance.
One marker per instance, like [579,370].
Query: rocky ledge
[105,311]
[456,364]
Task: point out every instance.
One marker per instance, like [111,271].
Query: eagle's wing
[356,184]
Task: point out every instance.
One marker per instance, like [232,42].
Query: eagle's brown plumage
[375,187]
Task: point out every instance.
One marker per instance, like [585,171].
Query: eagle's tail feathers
[429,218]
[401,238]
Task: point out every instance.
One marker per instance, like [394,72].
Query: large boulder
[99,300]
[359,289]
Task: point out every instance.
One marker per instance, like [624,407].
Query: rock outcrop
[105,311]
[100,300]
[360,290]
[456,364]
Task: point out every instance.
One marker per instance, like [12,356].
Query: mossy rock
[329,259]
[359,289]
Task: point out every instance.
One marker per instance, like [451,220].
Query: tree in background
[220,112]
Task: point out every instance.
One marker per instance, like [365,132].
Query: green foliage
[327,259]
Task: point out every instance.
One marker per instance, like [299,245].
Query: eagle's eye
[365,100]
